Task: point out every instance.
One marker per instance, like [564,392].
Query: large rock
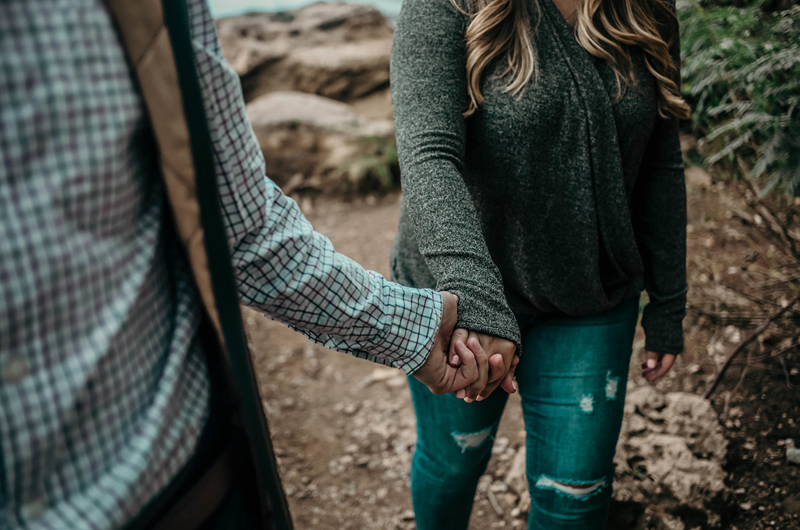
[313,142]
[343,71]
[335,49]
[669,462]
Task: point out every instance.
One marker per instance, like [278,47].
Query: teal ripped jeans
[571,378]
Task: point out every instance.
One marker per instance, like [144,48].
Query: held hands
[496,359]
[439,375]
[471,365]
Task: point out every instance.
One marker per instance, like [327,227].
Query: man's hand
[439,374]
[657,365]
[496,362]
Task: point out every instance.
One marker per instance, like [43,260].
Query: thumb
[508,381]
[468,371]
[651,361]
[496,367]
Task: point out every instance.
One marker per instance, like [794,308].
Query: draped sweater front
[566,199]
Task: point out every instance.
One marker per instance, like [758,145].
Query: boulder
[342,71]
[670,459]
[668,463]
[314,142]
[377,105]
[337,50]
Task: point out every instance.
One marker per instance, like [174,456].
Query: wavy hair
[500,29]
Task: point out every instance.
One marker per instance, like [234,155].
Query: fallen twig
[786,373]
[770,355]
[748,296]
[495,505]
[764,325]
[741,320]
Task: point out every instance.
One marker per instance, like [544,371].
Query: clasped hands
[471,365]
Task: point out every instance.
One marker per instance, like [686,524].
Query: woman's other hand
[656,365]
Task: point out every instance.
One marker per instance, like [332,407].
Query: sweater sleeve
[428,80]
[660,224]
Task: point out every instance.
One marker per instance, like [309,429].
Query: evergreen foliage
[741,74]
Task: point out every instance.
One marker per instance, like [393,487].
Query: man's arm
[293,274]
[286,269]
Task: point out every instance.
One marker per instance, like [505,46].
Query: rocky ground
[316,82]
[344,428]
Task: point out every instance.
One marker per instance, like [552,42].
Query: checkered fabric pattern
[103,388]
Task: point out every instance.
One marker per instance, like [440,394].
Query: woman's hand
[496,362]
[656,365]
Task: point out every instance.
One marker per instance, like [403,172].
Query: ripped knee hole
[577,490]
[472,440]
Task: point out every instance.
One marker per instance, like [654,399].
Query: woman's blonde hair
[500,29]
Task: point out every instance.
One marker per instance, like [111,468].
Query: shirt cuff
[416,315]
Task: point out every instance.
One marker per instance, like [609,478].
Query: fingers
[502,358]
[494,358]
[467,371]
[655,373]
[482,360]
[459,335]
[459,350]
[651,360]
[651,365]
[508,381]
[497,368]
[506,349]
[497,373]
[656,365]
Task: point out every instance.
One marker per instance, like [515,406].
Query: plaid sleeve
[285,269]
[294,275]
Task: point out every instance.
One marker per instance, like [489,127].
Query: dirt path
[344,428]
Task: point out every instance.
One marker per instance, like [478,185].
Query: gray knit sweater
[567,199]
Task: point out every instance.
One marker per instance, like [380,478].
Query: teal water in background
[226,8]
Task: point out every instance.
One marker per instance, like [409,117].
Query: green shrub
[374,169]
[741,73]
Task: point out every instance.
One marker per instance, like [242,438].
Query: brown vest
[153,36]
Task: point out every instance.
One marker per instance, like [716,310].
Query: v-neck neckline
[560,14]
[574,52]
[562,23]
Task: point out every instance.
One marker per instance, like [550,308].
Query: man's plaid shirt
[103,388]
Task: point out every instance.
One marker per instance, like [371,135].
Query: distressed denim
[571,377]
